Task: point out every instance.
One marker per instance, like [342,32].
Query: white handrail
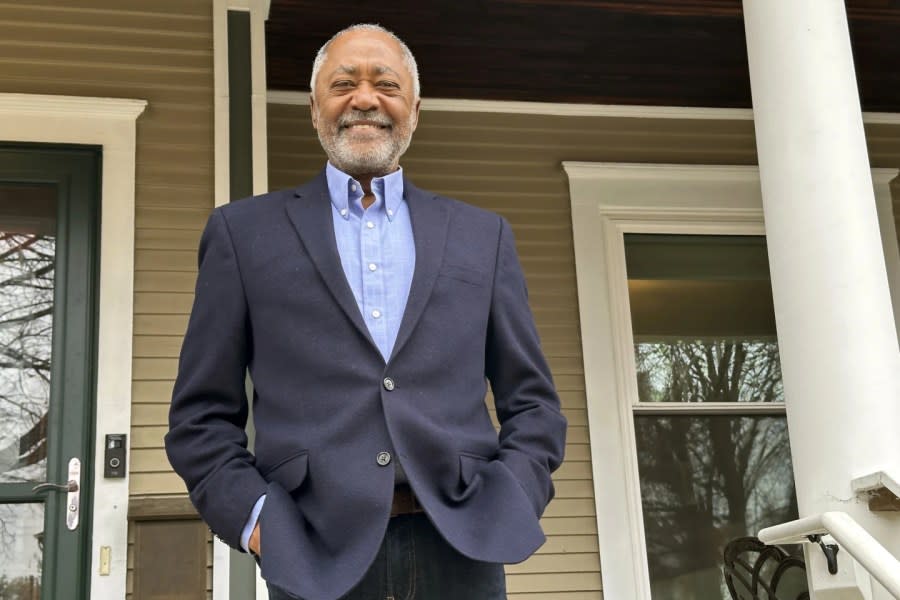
[867,551]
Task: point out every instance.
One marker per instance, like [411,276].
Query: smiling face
[363,105]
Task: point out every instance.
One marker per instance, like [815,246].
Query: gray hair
[408,59]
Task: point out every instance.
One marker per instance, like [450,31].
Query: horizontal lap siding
[884,151]
[512,164]
[161,52]
[895,193]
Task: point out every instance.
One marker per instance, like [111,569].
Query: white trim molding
[259,10]
[221,558]
[873,482]
[607,201]
[111,124]
[64,107]
[563,109]
[222,130]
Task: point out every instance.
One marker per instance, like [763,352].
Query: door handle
[70,486]
[73,492]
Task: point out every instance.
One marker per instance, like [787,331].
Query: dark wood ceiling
[656,52]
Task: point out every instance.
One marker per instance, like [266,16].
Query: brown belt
[405,502]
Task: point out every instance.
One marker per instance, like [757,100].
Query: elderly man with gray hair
[371,316]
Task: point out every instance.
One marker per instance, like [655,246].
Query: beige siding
[895,193]
[159,51]
[884,151]
[512,164]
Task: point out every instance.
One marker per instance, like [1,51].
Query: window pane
[706,480]
[708,371]
[699,286]
[21,541]
[702,318]
[27,258]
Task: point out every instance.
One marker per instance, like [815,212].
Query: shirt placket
[373,284]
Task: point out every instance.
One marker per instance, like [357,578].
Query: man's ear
[313,112]
[416,108]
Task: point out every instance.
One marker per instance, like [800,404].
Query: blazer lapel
[429,224]
[310,213]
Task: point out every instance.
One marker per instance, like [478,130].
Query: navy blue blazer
[272,297]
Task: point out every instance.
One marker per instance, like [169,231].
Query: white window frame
[111,124]
[607,201]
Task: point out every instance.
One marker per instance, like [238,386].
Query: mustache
[372,117]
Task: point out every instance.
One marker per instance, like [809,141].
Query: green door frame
[75,171]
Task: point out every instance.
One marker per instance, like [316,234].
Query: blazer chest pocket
[464,274]
[290,472]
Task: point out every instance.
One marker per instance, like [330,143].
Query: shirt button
[372,266]
[383,459]
[388,384]
[390,213]
[370,224]
[353,187]
[343,212]
[376,313]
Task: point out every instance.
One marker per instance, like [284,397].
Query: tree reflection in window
[709,371]
[26,325]
[707,479]
[21,552]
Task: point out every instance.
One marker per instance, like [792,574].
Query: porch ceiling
[655,52]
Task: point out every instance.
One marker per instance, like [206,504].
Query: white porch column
[838,343]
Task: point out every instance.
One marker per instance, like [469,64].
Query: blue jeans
[416,563]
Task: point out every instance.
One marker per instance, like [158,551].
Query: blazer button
[383,459]
[388,384]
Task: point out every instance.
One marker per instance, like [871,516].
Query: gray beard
[378,159]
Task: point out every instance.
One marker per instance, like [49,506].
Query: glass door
[48,230]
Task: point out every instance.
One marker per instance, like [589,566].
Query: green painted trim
[75,170]
[242,573]
[240,117]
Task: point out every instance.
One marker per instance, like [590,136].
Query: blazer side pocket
[470,467]
[290,472]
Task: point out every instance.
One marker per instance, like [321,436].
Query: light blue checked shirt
[376,248]
[378,254]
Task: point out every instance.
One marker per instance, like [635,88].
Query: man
[369,314]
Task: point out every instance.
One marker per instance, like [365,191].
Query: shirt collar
[345,191]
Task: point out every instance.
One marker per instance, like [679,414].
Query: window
[712,444]
[671,270]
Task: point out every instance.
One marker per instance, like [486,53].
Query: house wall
[895,192]
[158,51]
[511,163]
[161,52]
